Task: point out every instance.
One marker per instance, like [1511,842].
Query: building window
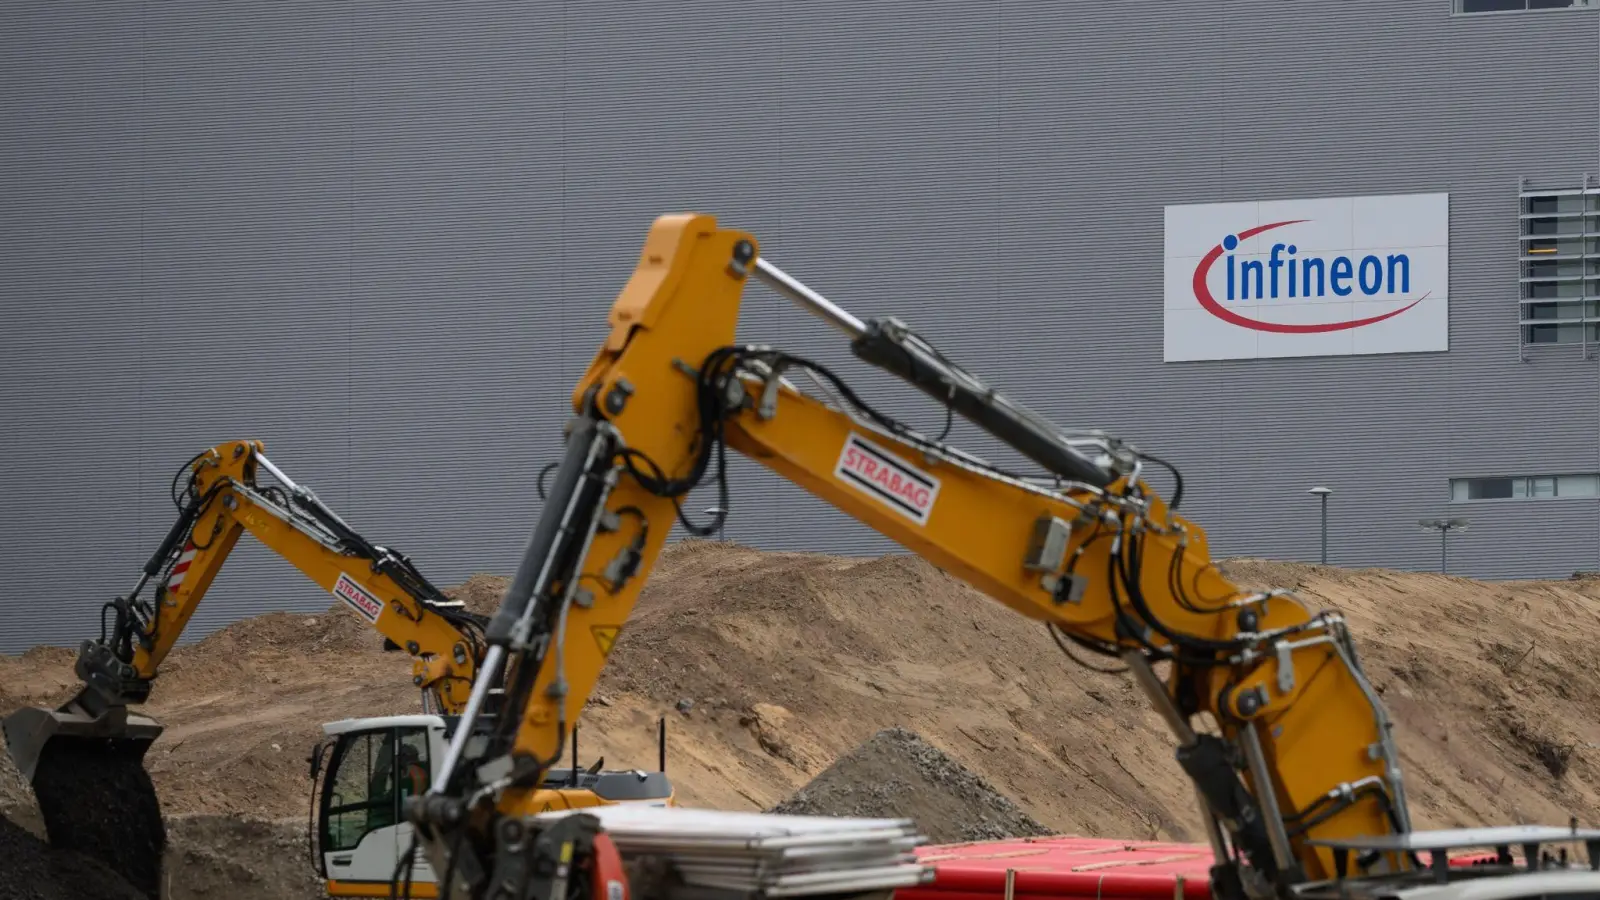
[1559,266]
[1468,7]
[1524,487]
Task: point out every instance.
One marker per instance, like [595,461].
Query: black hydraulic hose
[569,478]
[1134,564]
[935,376]
[180,529]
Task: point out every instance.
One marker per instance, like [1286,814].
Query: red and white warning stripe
[182,568]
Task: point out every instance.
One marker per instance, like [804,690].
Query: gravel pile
[897,774]
[30,869]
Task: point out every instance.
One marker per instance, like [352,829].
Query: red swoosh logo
[1202,292]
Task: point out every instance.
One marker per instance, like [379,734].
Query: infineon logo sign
[1327,277]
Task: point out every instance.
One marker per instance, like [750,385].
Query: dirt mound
[333,631]
[790,659]
[480,593]
[239,859]
[896,774]
[770,666]
[30,869]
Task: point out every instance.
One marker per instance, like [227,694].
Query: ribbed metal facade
[382,237]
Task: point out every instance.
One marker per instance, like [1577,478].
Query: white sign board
[1328,277]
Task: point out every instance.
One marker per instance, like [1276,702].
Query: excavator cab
[373,765]
[364,770]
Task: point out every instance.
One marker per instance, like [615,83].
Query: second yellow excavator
[85,758]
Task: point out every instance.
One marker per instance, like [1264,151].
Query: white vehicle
[374,764]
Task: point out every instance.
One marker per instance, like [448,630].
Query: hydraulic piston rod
[785,284]
[894,347]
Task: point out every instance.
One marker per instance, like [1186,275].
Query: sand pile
[897,774]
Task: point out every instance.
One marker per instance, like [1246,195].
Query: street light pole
[1444,527]
[1322,494]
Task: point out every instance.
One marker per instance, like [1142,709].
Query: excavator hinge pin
[617,397]
[743,252]
[1250,702]
[583,598]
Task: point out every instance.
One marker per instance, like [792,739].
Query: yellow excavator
[1287,744]
[86,756]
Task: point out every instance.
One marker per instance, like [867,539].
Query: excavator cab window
[370,774]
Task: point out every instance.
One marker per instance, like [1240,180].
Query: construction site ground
[770,667]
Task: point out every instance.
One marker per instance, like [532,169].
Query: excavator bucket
[87,772]
[31,733]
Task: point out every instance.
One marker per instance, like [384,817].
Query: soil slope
[769,666]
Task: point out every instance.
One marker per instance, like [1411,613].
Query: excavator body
[365,769]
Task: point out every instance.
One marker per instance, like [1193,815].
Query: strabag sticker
[885,477]
[359,598]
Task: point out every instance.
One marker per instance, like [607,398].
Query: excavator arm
[219,501]
[1285,740]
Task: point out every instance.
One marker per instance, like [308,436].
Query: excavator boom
[1285,740]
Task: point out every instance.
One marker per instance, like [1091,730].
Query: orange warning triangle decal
[605,636]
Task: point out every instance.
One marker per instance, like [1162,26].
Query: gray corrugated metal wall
[383,237]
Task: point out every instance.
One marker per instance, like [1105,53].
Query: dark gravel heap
[97,801]
[896,774]
[30,869]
